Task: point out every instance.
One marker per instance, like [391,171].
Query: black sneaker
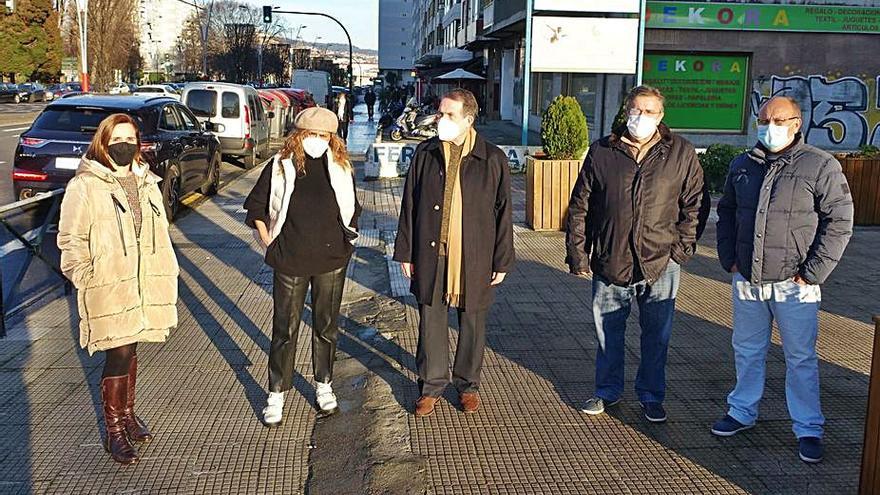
[597,405]
[654,412]
[728,427]
[810,449]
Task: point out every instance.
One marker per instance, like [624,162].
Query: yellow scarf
[454,293]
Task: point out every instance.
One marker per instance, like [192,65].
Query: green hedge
[564,130]
[716,162]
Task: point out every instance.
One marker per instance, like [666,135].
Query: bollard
[870,478]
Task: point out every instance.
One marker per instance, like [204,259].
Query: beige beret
[317,119]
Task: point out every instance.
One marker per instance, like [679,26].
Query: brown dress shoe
[425,405]
[136,429]
[114,390]
[470,402]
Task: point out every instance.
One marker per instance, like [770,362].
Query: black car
[179,149]
[31,92]
[9,93]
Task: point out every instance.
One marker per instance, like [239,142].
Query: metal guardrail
[34,251]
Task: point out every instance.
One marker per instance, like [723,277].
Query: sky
[360,17]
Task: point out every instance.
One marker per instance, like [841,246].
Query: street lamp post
[82,17]
[350,48]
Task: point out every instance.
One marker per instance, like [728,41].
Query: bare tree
[113,39]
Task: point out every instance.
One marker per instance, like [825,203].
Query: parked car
[239,110]
[177,147]
[61,90]
[157,90]
[122,89]
[31,92]
[9,93]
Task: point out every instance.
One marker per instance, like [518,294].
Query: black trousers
[432,355]
[343,129]
[289,295]
[370,111]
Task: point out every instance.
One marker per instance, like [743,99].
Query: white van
[243,123]
[316,82]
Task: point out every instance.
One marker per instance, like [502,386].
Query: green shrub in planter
[716,163]
[564,130]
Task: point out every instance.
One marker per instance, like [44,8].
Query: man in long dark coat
[455,242]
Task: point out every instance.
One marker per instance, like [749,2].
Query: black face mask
[122,153]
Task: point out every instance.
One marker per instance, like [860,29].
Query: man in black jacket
[455,242]
[370,100]
[634,218]
[783,223]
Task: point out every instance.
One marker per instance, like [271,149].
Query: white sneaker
[326,397]
[274,409]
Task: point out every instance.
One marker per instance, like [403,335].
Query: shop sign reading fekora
[763,17]
[620,6]
[584,44]
[704,92]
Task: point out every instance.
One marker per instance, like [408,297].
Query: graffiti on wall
[838,113]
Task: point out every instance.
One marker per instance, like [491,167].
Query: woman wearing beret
[304,212]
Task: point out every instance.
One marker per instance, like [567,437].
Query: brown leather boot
[425,405]
[114,390]
[470,402]
[136,429]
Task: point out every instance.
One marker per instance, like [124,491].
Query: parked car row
[184,137]
[177,147]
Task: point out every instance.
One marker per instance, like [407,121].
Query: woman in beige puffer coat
[115,248]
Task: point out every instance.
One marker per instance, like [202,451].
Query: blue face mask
[774,137]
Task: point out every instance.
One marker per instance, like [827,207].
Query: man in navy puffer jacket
[783,223]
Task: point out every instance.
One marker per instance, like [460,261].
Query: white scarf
[284,182]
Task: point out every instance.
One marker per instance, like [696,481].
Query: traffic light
[267,14]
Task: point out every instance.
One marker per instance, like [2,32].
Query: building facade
[161,23]
[395,37]
[716,62]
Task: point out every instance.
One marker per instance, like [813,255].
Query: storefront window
[583,88]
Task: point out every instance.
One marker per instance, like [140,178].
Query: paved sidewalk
[530,438]
[202,391]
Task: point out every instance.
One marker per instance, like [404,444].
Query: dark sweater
[311,240]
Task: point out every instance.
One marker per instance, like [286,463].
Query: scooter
[389,115]
[414,123]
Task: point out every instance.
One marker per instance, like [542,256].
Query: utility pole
[82,17]
[350,48]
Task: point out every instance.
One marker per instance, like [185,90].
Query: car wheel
[213,184]
[171,192]
[250,161]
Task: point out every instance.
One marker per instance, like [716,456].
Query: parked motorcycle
[389,115]
[414,123]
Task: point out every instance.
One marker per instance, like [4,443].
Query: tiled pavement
[201,391]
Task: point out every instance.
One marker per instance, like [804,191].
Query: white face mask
[774,137]
[447,130]
[641,126]
[315,147]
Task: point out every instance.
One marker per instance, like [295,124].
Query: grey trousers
[432,356]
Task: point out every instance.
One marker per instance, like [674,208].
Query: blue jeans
[611,308]
[796,311]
